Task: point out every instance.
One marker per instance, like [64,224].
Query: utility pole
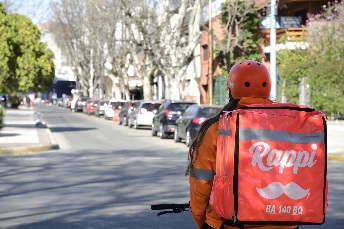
[210,74]
[273,74]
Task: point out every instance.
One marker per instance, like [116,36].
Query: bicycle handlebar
[176,208]
[169,206]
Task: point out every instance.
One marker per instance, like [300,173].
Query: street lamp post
[273,74]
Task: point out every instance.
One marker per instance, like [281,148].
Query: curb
[37,148]
[27,150]
[335,157]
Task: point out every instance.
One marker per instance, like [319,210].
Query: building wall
[285,8]
[208,44]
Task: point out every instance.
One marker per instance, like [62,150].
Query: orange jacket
[200,187]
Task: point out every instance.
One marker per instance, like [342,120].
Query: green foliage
[321,64]
[247,35]
[327,87]
[25,62]
[15,99]
[293,65]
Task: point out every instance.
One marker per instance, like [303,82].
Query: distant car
[90,106]
[143,113]
[164,121]
[112,110]
[79,103]
[101,106]
[87,105]
[125,112]
[66,102]
[188,124]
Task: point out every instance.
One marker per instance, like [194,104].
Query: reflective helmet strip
[278,135]
[202,174]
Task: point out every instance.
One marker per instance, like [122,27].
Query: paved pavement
[26,132]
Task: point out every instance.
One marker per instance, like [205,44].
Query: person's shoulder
[248,101]
[214,126]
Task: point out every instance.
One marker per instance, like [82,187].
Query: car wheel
[154,133]
[162,134]
[135,124]
[175,137]
[188,138]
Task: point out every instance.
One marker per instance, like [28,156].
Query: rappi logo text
[266,158]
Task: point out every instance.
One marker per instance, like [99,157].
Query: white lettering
[278,158]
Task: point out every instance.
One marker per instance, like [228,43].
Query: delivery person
[248,83]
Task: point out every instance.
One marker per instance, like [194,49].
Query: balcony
[292,35]
[294,39]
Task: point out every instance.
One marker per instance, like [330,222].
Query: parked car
[91,106]
[112,110]
[79,103]
[164,121]
[87,105]
[188,124]
[66,102]
[125,112]
[143,113]
[101,106]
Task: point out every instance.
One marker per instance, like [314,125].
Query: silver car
[143,113]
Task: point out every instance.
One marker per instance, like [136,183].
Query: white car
[112,110]
[143,113]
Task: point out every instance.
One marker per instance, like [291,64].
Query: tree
[37,10]
[155,36]
[240,27]
[164,35]
[25,62]
[325,36]
[320,65]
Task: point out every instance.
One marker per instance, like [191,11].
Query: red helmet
[249,78]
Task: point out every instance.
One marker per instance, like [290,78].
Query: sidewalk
[24,132]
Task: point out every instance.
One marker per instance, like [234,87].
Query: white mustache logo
[276,189]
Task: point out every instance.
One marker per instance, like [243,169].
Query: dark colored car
[187,125]
[164,121]
[125,112]
[79,104]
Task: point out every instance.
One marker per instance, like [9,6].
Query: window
[205,52]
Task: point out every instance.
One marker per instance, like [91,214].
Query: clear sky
[38,10]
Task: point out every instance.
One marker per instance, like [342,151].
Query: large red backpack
[271,165]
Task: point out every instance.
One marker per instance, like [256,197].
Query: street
[106,176]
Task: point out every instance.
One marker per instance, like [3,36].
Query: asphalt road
[107,176]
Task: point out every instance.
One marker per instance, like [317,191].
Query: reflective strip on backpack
[202,174]
[278,135]
[224,132]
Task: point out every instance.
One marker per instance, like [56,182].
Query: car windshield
[104,102]
[179,106]
[208,112]
[151,106]
[117,105]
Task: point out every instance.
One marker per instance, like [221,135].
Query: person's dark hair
[231,105]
